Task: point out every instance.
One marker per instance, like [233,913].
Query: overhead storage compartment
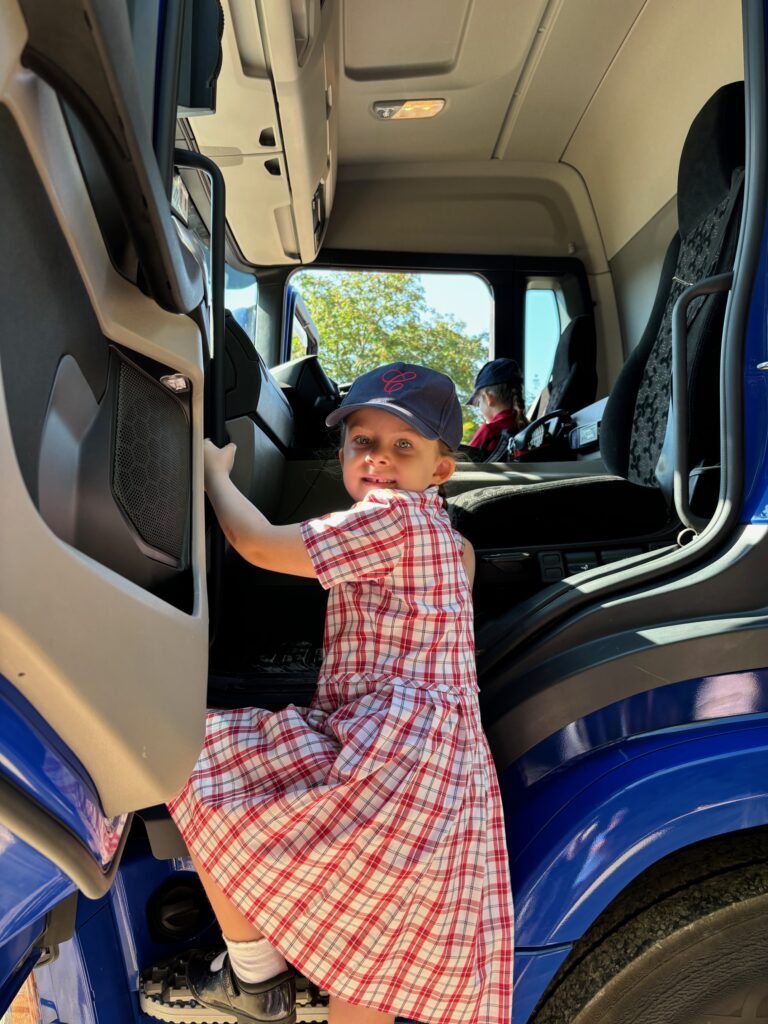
[277,83]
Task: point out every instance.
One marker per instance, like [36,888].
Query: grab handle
[218,429]
[190,158]
[707,286]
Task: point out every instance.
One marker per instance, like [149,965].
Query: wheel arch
[610,819]
[688,886]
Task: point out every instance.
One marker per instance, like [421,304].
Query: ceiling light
[405,110]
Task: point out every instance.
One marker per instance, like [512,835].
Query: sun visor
[274,130]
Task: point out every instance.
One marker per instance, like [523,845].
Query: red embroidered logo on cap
[394,380]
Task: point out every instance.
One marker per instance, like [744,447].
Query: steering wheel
[545,430]
[472,454]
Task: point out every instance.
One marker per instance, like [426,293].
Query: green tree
[368,318]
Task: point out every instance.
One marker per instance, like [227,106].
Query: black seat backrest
[259,420]
[636,428]
[573,381]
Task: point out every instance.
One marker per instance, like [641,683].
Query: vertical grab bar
[707,286]
[189,158]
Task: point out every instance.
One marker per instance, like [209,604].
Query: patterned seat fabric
[702,254]
[709,192]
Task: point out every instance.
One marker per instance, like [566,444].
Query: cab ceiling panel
[627,144]
[579,41]
[431,46]
[471,54]
[541,209]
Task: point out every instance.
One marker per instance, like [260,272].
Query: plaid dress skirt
[364,835]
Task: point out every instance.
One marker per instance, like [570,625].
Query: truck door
[103,344]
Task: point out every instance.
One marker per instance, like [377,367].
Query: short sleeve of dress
[363,543]
[461,541]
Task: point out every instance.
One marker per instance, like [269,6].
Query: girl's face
[381,450]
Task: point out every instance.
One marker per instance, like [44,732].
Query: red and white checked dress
[364,836]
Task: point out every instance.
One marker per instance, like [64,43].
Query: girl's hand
[217,461]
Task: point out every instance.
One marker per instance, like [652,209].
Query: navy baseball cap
[426,399]
[497,371]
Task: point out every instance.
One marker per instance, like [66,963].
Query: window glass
[304,336]
[366,318]
[299,341]
[240,295]
[542,333]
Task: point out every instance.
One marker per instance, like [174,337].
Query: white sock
[252,961]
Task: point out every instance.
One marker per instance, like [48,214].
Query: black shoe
[184,990]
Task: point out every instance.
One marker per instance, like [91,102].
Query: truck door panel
[112,650]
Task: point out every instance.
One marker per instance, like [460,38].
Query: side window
[241,293]
[305,337]
[542,333]
[366,318]
[299,346]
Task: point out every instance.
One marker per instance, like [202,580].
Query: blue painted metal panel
[35,761]
[755,395]
[697,783]
[534,969]
[30,887]
[113,943]
[88,983]
[34,758]
[538,783]
[65,993]
[17,958]
[684,703]
[109,983]
[755,507]
[610,794]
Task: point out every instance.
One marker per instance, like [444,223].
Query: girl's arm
[279,548]
[468,558]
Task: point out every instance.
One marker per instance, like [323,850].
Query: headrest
[577,342]
[579,330]
[714,148]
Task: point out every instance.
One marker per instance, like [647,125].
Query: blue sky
[466,296]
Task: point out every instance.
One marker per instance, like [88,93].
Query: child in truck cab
[358,841]
[498,393]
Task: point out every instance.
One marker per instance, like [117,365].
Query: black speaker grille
[151,468]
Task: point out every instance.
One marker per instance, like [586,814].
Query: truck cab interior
[621,197]
[165,175]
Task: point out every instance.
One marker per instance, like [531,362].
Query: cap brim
[473,396]
[385,406]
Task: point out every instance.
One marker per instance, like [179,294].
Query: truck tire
[696,955]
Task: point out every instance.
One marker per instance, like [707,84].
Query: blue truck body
[601,800]
[588,809]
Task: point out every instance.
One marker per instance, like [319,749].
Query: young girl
[498,393]
[360,840]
